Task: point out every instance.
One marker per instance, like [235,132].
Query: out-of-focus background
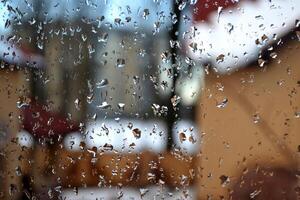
[158,99]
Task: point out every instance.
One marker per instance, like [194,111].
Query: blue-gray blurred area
[140,15]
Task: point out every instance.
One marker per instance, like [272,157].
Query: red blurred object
[204,8]
[40,122]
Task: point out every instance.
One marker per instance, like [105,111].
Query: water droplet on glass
[182,137]
[261,62]
[230,27]
[128,19]
[103,37]
[174,18]
[182,5]
[108,147]
[50,193]
[298,35]
[40,45]
[18,171]
[136,133]
[121,106]
[223,103]
[175,100]
[21,104]
[193,2]
[143,191]
[220,58]
[297,114]
[146,13]
[193,46]
[254,194]
[130,125]
[224,180]
[273,55]
[94,117]
[104,105]
[220,10]
[118,21]
[102,83]
[77,102]
[120,195]
[192,139]
[297,23]
[32,21]
[151,177]
[166,56]
[136,79]
[256,118]
[120,62]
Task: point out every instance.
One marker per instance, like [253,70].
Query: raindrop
[83,37]
[298,35]
[146,13]
[128,19]
[151,177]
[220,10]
[21,104]
[82,145]
[104,105]
[193,2]
[108,147]
[137,133]
[102,83]
[117,21]
[50,193]
[261,62]
[120,62]
[192,139]
[254,194]
[32,21]
[220,58]
[40,45]
[256,118]
[7,23]
[136,79]
[174,18]
[130,125]
[164,85]
[77,104]
[104,128]
[18,171]
[94,117]
[230,27]
[155,108]
[120,195]
[297,114]
[280,82]
[224,180]
[193,46]
[166,56]
[223,103]
[103,37]
[175,100]
[297,23]
[132,145]
[273,55]
[182,137]
[12,189]
[182,5]
[143,191]
[121,106]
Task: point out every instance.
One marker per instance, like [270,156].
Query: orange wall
[231,140]
[12,87]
